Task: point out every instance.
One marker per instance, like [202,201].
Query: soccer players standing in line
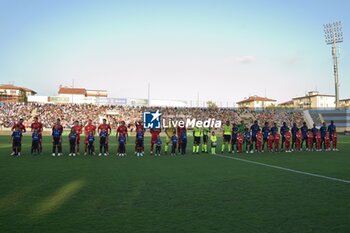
[58,125]
[205,132]
[259,141]
[169,133]
[16,138]
[331,129]
[122,129]
[314,131]
[103,142]
[274,129]
[287,139]
[294,136]
[183,141]
[174,140]
[196,139]
[158,146]
[35,142]
[254,129]
[227,137]
[154,135]
[179,131]
[310,140]
[248,140]
[88,129]
[91,140]
[283,131]
[304,130]
[235,132]
[298,139]
[121,145]
[265,132]
[138,126]
[72,139]
[56,140]
[140,143]
[318,141]
[213,143]
[38,126]
[78,129]
[323,131]
[107,128]
[277,142]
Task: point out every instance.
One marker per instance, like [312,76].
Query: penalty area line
[286,169]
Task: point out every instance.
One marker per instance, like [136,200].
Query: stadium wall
[341,118]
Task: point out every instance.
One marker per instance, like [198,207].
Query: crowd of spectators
[68,113]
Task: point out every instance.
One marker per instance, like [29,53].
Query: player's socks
[222,147]
[166,148]
[194,149]
[205,148]
[197,149]
[229,147]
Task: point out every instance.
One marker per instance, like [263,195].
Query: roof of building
[289,102]
[72,91]
[254,98]
[13,87]
[313,95]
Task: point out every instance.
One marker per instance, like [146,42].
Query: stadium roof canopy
[255,98]
[72,91]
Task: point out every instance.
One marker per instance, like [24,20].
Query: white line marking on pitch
[286,169]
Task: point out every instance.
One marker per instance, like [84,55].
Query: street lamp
[334,35]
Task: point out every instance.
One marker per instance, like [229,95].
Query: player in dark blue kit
[283,131]
[121,145]
[265,132]
[16,142]
[72,138]
[274,129]
[173,144]
[294,135]
[314,131]
[331,129]
[139,143]
[304,130]
[159,146]
[90,141]
[183,141]
[323,131]
[35,142]
[254,129]
[56,140]
[235,131]
[103,142]
[248,140]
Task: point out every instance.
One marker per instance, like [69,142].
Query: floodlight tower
[334,35]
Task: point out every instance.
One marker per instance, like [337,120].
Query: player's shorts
[213,144]
[16,144]
[197,140]
[205,139]
[139,143]
[247,141]
[103,141]
[227,138]
[56,141]
[265,140]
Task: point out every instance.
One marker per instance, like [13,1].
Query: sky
[216,50]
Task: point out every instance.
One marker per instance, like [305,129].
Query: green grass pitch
[192,193]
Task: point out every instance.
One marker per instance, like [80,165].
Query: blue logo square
[151,120]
